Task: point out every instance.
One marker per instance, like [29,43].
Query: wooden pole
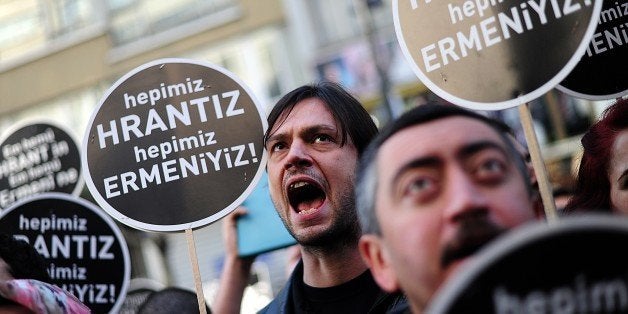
[538,164]
[197,274]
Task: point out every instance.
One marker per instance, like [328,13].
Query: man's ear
[376,257]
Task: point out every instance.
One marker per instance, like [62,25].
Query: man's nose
[298,156]
[467,198]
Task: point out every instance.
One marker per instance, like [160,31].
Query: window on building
[257,59]
[132,20]
[20,27]
[335,20]
[338,20]
[30,25]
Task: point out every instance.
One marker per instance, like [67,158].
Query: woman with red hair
[602,183]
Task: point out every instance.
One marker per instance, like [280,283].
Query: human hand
[230,237]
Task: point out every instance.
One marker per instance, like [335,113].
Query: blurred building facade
[58,58]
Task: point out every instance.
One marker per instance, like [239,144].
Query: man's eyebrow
[275,138]
[422,162]
[317,129]
[478,146]
[310,130]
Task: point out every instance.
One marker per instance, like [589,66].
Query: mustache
[301,171]
[473,234]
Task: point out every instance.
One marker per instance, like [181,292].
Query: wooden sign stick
[538,164]
[197,274]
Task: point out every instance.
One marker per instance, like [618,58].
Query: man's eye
[421,186]
[494,166]
[277,147]
[322,138]
[491,168]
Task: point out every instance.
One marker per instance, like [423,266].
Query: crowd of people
[26,287]
[429,191]
[382,218]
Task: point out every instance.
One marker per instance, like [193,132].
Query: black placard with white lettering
[84,249]
[37,158]
[601,73]
[175,144]
[493,54]
[577,265]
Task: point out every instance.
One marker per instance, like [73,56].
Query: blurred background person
[171,300]
[25,285]
[602,182]
[235,277]
[19,260]
[562,195]
[234,281]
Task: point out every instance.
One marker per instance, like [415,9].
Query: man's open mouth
[305,196]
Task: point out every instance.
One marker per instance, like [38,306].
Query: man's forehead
[460,128]
[310,111]
[430,139]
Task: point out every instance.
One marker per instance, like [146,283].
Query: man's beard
[343,232]
[475,231]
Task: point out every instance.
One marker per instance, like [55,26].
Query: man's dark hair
[353,119]
[23,260]
[171,300]
[366,177]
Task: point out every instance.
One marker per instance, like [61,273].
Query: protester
[525,155]
[236,271]
[235,276]
[34,296]
[316,134]
[25,284]
[171,300]
[602,181]
[562,195]
[434,187]
[19,260]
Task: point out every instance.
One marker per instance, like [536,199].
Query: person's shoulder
[390,303]
[402,308]
[386,302]
[267,308]
[279,303]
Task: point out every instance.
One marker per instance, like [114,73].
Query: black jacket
[385,302]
